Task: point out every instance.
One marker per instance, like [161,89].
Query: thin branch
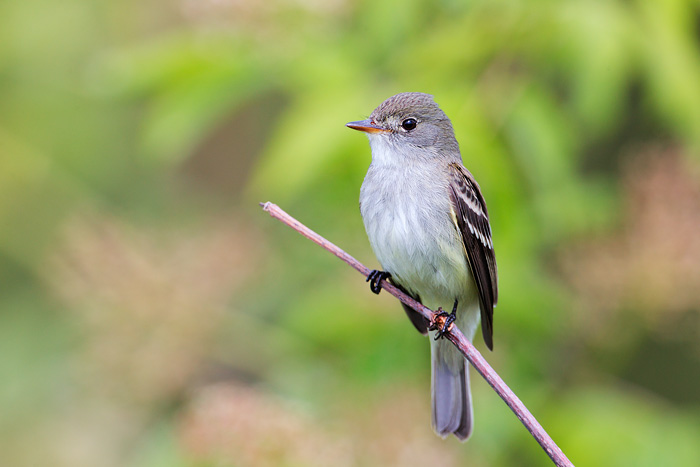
[453,334]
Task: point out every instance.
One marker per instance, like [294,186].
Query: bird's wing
[472,222]
[418,320]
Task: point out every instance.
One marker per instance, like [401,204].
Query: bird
[427,223]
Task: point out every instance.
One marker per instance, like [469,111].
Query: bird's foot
[443,321]
[375,278]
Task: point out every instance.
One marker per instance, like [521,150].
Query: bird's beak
[368,126]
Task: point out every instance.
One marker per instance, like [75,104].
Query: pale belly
[412,233]
[414,239]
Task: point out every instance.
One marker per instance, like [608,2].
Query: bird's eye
[409,124]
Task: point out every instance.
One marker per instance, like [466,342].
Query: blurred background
[152,315]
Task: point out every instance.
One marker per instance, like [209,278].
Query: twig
[453,334]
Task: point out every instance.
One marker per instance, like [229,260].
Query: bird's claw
[375,277]
[443,321]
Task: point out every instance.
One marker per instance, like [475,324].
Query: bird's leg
[446,319]
[375,277]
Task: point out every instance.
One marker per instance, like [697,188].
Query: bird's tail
[451,397]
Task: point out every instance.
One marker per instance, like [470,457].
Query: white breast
[406,212]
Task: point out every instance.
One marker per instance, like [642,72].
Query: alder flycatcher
[428,226]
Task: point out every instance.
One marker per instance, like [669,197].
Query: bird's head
[410,121]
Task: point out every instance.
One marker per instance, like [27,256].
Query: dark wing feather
[472,221]
[418,320]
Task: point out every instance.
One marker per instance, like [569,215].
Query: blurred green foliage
[151,315]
